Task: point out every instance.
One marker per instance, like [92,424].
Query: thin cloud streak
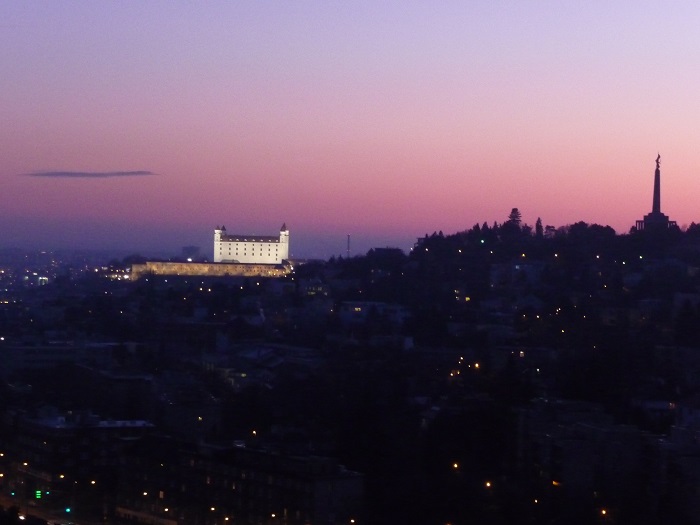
[89,174]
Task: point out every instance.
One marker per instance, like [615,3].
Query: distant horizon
[170,244]
[303,246]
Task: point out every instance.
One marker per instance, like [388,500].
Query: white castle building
[251,249]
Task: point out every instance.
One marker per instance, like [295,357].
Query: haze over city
[142,126]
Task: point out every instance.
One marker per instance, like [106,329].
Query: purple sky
[383,120]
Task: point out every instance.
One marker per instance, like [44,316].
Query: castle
[234,256]
[251,249]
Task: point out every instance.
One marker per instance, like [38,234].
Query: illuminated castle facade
[251,249]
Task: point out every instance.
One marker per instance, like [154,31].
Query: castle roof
[249,238]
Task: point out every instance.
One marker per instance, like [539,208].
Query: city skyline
[143,126]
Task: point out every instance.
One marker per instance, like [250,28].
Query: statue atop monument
[658,161]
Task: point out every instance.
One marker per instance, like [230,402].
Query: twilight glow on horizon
[143,125]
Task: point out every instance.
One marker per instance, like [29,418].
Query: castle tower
[284,242]
[219,232]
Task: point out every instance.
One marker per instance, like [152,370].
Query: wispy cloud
[89,174]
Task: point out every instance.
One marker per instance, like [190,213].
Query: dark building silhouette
[656,221]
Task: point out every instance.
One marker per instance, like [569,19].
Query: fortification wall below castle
[207,269]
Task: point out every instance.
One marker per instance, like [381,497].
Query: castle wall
[207,269]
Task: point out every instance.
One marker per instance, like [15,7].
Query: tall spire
[656,222]
[656,206]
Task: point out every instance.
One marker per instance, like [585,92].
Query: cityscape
[349,263]
[500,374]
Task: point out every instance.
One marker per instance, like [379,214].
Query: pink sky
[383,120]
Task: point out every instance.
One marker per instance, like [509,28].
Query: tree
[693,231]
[515,217]
[511,228]
[539,230]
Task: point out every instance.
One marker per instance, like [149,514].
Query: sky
[141,126]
